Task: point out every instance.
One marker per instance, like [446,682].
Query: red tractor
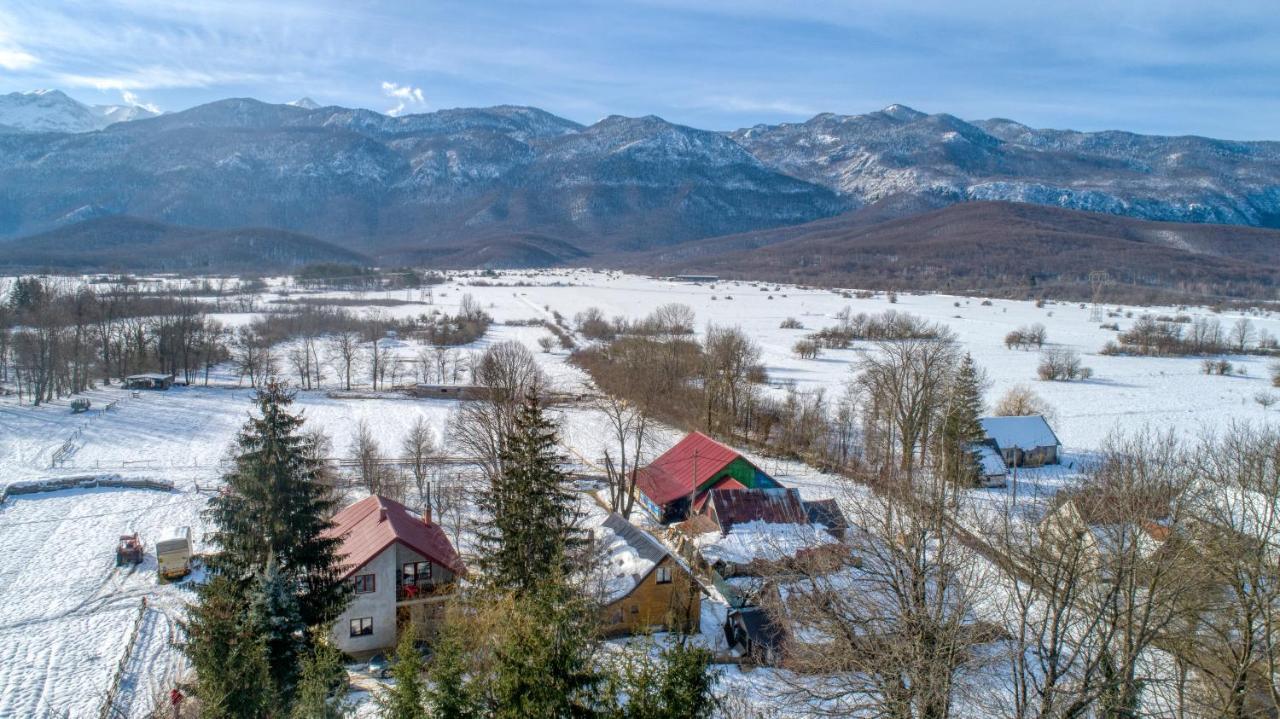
[129,550]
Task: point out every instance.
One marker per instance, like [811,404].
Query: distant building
[1022,441]
[676,484]
[992,471]
[696,278]
[645,588]
[401,567]
[148,380]
[449,391]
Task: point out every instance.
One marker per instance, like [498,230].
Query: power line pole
[1099,279]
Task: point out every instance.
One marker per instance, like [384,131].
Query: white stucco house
[401,567]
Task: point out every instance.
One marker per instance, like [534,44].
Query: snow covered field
[66,613]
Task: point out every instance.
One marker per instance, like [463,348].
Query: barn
[1026,441]
[644,587]
[678,483]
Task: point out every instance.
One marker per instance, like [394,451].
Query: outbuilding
[1026,441]
[148,380]
[644,587]
[677,484]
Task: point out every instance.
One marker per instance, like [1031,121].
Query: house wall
[1037,457]
[656,607]
[380,605]
[404,555]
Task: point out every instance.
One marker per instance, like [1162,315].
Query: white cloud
[132,99]
[12,58]
[404,95]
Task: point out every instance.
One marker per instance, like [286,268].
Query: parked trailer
[173,553]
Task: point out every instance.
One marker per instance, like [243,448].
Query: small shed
[1026,441]
[992,471]
[675,485]
[448,391]
[148,380]
[755,634]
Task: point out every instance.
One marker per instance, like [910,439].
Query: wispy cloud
[404,95]
[14,59]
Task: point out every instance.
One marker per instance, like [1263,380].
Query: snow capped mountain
[305,103]
[54,111]
[899,150]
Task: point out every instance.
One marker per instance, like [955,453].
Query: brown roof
[775,506]
[374,523]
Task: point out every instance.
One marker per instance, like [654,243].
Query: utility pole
[1098,279]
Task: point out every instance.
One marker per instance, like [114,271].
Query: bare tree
[1022,401]
[419,449]
[730,359]
[344,351]
[629,443]
[508,372]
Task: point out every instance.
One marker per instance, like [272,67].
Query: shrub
[1061,364]
[1021,401]
[791,323]
[806,349]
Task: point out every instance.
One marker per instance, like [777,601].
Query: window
[635,608]
[415,572]
[365,583]
[664,575]
[362,627]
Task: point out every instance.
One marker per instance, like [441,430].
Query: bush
[791,323]
[806,349]
[1021,401]
[1027,336]
[1061,364]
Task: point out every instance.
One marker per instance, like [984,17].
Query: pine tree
[449,695]
[543,667]
[960,426]
[229,657]
[407,698]
[273,613]
[530,510]
[676,684]
[323,679]
[274,505]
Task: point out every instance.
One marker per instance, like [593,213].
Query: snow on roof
[174,533]
[761,540]
[1026,432]
[375,523]
[150,375]
[629,552]
[990,461]
[689,464]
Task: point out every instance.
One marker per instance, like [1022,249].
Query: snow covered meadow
[68,616]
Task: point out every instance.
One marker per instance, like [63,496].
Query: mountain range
[518,185]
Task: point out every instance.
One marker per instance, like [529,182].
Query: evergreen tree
[449,695]
[676,685]
[407,698]
[530,510]
[228,655]
[321,685]
[543,665]
[960,427]
[274,616]
[274,506]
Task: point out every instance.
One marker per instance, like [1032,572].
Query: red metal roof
[775,506]
[374,523]
[671,476]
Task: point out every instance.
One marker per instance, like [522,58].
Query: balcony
[422,589]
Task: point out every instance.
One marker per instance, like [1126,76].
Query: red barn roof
[374,523]
[672,475]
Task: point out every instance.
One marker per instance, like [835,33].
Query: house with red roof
[677,484]
[401,566]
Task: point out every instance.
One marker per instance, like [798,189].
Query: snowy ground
[66,614]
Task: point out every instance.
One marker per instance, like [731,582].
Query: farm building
[753,633]
[148,380]
[644,588]
[448,391]
[992,471]
[727,507]
[1022,441]
[684,475]
[401,567]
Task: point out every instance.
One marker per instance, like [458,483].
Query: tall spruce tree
[960,427]
[274,506]
[228,654]
[530,528]
[275,618]
[449,694]
[406,699]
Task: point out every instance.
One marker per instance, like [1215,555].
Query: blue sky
[1171,67]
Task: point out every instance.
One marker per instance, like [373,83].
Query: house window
[362,627]
[664,575]
[635,608]
[415,572]
[365,583]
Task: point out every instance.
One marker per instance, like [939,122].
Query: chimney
[382,514]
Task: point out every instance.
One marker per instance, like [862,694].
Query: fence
[109,710]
